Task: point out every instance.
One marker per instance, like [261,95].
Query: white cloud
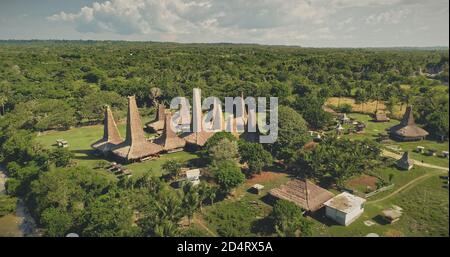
[259,21]
[388,17]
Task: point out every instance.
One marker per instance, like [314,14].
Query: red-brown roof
[169,139]
[303,193]
[135,146]
[407,127]
[111,135]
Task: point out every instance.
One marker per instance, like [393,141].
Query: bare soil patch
[264,177]
[363,180]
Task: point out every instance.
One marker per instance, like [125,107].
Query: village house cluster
[136,147]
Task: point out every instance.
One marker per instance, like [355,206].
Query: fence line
[379,190]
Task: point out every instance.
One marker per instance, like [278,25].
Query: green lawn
[373,128]
[425,213]
[244,214]
[400,177]
[80,140]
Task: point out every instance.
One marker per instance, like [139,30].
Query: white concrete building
[193,176]
[344,208]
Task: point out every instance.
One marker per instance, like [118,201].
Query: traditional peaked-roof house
[169,140]
[197,139]
[405,163]
[242,119]
[303,193]
[135,146]
[407,130]
[184,118]
[158,124]
[111,135]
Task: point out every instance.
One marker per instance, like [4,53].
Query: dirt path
[199,221]
[408,185]
[418,163]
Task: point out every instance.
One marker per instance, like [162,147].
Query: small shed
[344,119]
[62,143]
[391,215]
[257,188]
[420,149]
[381,117]
[360,127]
[193,176]
[339,129]
[317,138]
[344,208]
[431,152]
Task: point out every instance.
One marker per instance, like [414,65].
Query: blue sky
[315,23]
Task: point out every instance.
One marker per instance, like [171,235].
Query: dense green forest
[57,85]
[79,77]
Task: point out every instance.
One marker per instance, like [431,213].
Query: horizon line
[228,43]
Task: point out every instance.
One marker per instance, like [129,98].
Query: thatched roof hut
[111,135]
[405,163]
[197,138]
[303,193]
[381,117]
[135,146]
[407,130]
[158,123]
[169,140]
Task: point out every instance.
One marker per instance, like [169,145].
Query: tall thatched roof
[405,162]
[200,137]
[217,123]
[303,193]
[245,114]
[135,145]
[236,120]
[169,139]
[407,129]
[111,135]
[185,115]
[158,123]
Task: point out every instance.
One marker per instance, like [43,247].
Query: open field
[245,213]
[425,213]
[368,107]
[373,128]
[80,140]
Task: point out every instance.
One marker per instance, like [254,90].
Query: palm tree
[166,229]
[191,200]
[212,194]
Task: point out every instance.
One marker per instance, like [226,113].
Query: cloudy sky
[315,23]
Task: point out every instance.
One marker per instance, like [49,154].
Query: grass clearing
[245,213]
[81,138]
[425,213]
[373,128]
